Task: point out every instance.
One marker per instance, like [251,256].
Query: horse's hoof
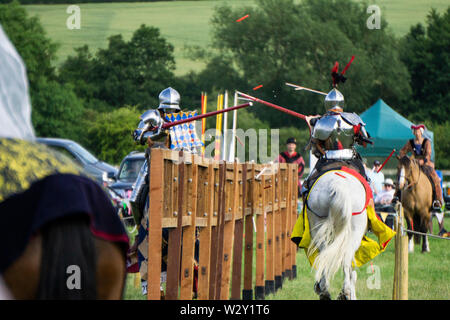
[317,288]
[342,296]
[324,296]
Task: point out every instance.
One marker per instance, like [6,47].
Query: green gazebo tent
[388,130]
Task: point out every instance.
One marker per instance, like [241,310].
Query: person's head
[376,165]
[334,101]
[291,144]
[418,130]
[169,101]
[388,184]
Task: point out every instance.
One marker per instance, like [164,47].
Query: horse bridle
[411,184]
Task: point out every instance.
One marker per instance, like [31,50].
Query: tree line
[96,97]
[77,1]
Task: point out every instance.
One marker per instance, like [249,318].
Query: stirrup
[437,205]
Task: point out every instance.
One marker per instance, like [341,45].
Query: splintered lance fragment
[244,17]
[258,87]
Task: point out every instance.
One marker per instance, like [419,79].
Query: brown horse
[416,199]
[41,272]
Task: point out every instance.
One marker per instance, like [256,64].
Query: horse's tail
[68,267]
[333,238]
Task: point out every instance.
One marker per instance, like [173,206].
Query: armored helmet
[334,100]
[169,100]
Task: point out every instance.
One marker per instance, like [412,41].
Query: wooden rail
[241,218]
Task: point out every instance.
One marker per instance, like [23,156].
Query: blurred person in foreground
[53,215]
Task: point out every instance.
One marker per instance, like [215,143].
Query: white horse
[335,232]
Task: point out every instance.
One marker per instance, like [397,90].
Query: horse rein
[413,183]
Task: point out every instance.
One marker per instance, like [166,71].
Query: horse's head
[405,168]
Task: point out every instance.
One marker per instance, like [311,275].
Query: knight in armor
[150,132]
[420,148]
[333,138]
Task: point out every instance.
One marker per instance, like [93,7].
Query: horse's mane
[67,241]
[405,160]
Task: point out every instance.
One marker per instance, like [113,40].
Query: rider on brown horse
[420,149]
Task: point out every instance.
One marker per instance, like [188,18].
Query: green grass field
[181,22]
[429,276]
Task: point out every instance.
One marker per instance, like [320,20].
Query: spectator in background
[377,178]
[385,197]
[291,156]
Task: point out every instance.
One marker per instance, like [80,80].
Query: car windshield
[130,169]
[83,153]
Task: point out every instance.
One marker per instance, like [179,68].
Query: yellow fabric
[23,162]
[384,215]
[369,248]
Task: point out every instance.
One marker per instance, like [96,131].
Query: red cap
[415,127]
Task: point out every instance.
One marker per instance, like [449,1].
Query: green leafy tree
[425,50]
[291,41]
[56,111]
[441,132]
[109,133]
[31,42]
[132,72]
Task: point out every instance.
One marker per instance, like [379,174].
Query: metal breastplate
[334,131]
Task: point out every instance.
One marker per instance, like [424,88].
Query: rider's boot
[438,202]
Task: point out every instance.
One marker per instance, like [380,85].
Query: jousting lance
[297,87]
[292,113]
[385,161]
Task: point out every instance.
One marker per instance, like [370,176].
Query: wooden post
[205,211]
[285,220]
[189,214]
[400,291]
[247,292]
[238,235]
[174,246]
[214,233]
[220,229]
[231,206]
[269,213]
[259,277]
[279,271]
[155,224]
[293,198]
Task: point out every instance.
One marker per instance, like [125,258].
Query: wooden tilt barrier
[241,218]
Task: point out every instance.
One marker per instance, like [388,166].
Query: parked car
[124,183]
[128,172]
[99,170]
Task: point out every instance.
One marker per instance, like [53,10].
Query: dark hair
[291,140]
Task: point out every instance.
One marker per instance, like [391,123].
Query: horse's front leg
[425,244]
[410,236]
[427,221]
[321,288]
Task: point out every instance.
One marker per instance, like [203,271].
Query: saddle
[355,210]
[325,165]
